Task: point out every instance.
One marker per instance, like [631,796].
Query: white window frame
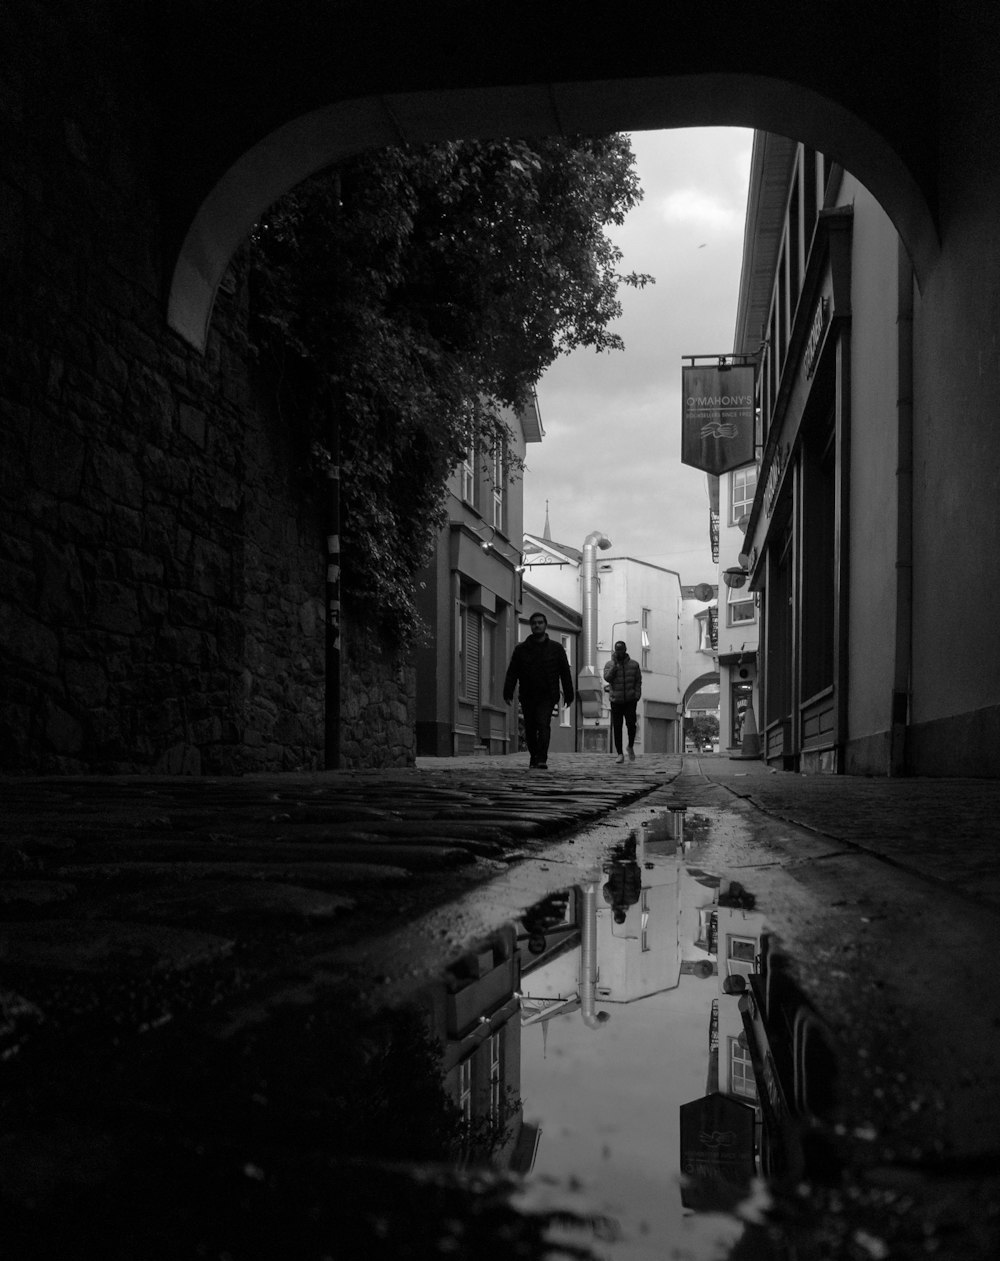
[465,1089]
[742,486]
[741,608]
[737,964]
[469,476]
[566,711]
[496,1074]
[741,1076]
[499,487]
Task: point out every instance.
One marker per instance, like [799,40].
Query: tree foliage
[402,299]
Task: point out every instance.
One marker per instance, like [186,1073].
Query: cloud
[707,211]
[610,459]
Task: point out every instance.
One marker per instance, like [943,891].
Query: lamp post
[632,621]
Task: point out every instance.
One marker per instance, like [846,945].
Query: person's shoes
[541,766]
[619,759]
[631,754]
[532,765]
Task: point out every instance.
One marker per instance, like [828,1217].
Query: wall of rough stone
[378,706]
[161,558]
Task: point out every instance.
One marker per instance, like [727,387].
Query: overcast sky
[610,459]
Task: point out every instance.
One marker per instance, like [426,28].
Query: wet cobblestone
[148,927]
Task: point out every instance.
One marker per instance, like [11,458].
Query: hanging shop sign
[821,318]
[717,416]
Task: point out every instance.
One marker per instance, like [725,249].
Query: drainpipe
[592,1018]
[902,662]
[589,687]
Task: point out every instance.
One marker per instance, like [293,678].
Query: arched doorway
[309,143]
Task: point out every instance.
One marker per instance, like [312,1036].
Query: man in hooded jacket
[625,678]
[537,667]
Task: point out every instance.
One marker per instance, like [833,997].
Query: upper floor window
[740,606]
[469,476]
[499,479]
[743,484]
[707,623]
[646,615]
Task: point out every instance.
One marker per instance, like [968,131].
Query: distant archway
[316,140]
[711,679]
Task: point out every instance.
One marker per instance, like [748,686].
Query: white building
[646,606]
[731,497]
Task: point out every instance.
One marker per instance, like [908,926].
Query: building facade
[826,306]
[737,615]
[470,594]
[645,606]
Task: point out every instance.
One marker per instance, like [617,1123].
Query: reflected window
[741,1078]
[496,1074]
[740,954]
[465,1089]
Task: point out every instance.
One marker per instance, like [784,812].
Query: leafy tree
[401,299]
[703,729]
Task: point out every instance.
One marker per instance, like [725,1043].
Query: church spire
[547,533]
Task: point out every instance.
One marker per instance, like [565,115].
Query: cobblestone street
[156,934]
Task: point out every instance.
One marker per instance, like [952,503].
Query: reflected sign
[717,1151]
[717,417]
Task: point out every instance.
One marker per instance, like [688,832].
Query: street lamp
[633,621]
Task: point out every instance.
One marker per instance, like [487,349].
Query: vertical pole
[901,681]
[332,699]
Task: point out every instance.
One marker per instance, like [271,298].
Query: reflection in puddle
[631,1050]
[621,1073]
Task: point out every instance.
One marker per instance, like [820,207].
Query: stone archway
[698,685]
[315,140]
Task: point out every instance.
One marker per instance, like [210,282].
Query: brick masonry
[161,556]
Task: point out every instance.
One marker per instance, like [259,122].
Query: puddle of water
[629,1054]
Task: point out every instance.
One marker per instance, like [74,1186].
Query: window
[566,711]
[740,955]
[741,1078]
[465,1089]
[462,634]
[708,629]
[499,478]
[740,605]
[646,614]
[488,666]
[496,1075]
[743,483]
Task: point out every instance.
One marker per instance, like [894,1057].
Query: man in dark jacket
[625,677]
[537,667]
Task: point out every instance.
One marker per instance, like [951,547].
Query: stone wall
[378,706]
[161,555]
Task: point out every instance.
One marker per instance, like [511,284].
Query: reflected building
[474,1014]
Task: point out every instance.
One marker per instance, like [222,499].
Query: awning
[747,658]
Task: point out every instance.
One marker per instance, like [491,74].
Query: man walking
[537,667]
[625,677]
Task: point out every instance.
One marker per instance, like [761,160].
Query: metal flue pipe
[593,541]
[592,1018]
